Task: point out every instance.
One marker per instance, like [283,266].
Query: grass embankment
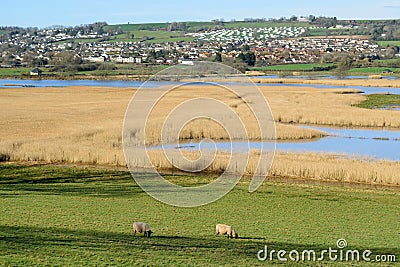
[346,82]
[379,101]
[384,67]
[70,216]
[121,72]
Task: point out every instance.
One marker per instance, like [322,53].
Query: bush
[327,68]
[88,67]
[107,66]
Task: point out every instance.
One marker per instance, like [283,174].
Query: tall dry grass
[204,128]
[324,167]
[325,107]
[83,125]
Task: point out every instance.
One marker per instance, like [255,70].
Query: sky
[43,13]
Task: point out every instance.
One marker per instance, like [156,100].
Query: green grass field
[373,70]
[153,36]
[380,101]
[266,24]
[136,27]
[74,216]
[195,25]
[14,71]
[388,43]
[7,72]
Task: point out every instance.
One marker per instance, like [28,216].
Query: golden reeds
[324,167]
[84,125]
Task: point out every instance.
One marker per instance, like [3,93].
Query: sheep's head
[149,233]
[235,234]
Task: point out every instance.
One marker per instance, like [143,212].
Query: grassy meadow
[388,43]
[377,101]
[151,36]
[194,26]
[373,70]
[21,71]
[79,216]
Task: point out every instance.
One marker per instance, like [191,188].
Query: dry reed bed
[203,128]
[325,107]
[83,125]
[317,166]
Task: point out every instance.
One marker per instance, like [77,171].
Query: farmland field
[14,71]
[373,70]
[388,43]
[151,36]
[69,216]
[193,25]
[135,27]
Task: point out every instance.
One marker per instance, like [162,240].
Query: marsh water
[374,144]
[9,83]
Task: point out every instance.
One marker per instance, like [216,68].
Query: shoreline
[245,177]
[311,81]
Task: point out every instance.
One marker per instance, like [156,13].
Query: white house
[187,62]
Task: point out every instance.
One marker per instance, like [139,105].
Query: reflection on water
[374,144]
[390,107]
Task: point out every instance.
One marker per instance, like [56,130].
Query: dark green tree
[218,57]
[344,64]
[249,58]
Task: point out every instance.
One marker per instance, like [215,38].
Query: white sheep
[224,229]
[141,227]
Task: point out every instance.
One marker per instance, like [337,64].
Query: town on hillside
[245,44]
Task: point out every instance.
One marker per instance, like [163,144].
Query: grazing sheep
[224,229]
[141,227]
